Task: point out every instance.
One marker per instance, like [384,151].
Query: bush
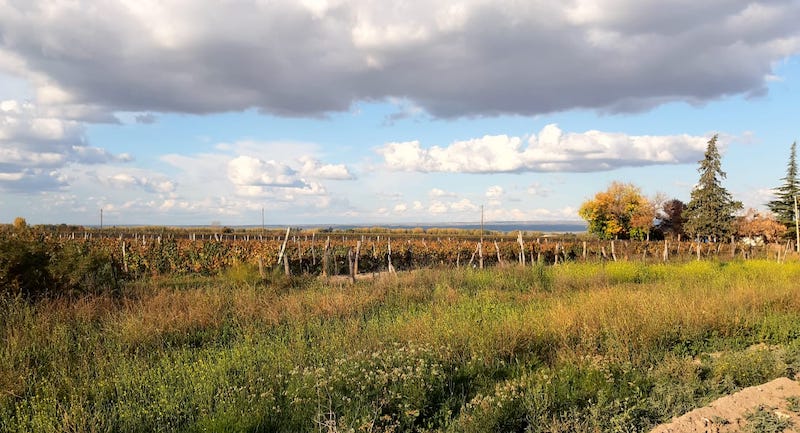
[80,270]
[35,268]
[23,268]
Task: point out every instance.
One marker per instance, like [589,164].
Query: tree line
[712,214]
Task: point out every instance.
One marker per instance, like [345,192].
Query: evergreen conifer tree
[709,213]
[783,204]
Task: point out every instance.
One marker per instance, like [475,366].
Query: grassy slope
[616,347]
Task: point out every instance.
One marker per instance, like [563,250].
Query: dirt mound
[771,407]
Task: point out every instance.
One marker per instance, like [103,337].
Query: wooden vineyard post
[326,257]
[358,253]
[584,251]
[313,254]
[521,249]
[261,268]
[796,224]
[555,256]
[733,247]
[497,249]
[480,254]
[283,246]
[786,250]
[124,258]
[471,259]
[613,252]
[389,256]
[351,264]
[286,265]
[665,256]
[698,250]
[298,244]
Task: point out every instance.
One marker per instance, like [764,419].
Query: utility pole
[796,226]
[481,224]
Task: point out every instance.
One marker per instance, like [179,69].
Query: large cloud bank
[306,58]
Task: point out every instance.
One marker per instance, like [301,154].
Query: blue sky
[323,112]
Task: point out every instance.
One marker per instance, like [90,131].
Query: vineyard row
[340,255]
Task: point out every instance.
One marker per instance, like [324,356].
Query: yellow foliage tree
[20,223]
[621,211]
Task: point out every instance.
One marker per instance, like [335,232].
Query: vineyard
[136,255]
[179,331]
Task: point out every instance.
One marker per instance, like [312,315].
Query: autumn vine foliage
[619,212]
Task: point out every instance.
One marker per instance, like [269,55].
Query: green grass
[577,347]
[764,420]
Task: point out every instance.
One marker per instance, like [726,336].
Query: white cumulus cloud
[552,150]
[34,146]
[437,207]
[463,205]
[438,192]
[151,184]
[250,171]
[494,191]
[314,168]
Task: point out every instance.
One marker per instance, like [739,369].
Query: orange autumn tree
[754,224]
[621,211]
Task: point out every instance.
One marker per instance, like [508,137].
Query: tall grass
[575,347]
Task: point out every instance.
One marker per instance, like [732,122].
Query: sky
[182,112]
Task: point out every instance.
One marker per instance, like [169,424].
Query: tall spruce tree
[710,210]
[783,205]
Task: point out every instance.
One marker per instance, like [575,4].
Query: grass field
[577,347]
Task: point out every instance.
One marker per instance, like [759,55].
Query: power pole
[481,224]
[796,226]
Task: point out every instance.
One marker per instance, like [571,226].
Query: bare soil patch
[771,406]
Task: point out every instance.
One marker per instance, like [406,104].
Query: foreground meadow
[576,347]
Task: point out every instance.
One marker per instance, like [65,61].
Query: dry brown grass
[145,321]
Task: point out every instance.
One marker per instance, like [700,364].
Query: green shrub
[78,270]
[35,268]
[23,268]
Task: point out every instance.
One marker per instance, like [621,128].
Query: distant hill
[501,226]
